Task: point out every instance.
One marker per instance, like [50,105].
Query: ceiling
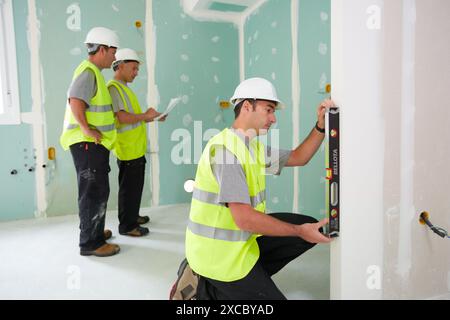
[228,8]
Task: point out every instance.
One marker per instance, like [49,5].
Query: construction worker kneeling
[232,246]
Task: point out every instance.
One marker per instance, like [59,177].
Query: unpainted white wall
[391,73]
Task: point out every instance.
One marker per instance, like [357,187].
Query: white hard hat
[104,36]
[257,89]
[126,54]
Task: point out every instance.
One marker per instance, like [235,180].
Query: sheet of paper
[173,102]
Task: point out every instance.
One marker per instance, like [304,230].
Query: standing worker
[90,133]
[131,142]
[230,242]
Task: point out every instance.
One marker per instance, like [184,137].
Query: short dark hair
[93,48]
[237,109]
[116,65]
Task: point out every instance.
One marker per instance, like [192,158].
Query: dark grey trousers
[92,167]
[275,253]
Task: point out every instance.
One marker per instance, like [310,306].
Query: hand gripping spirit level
[332,170]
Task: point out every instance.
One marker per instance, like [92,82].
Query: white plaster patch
[187,120]
[275,200]
[273,75]
[323,81]
[185,99]
[274,51]
[216,78]
[392,211]
[184,57]
[323,48]
[257,57]
[185,36]
[75,51]
[184,78]
[215,59]
[37,94]
[255,35]
[324,16]
[115,8]
[215,39]
[274,24]
[218,118]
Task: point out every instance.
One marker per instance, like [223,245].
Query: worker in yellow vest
[230,242]
[89,132]
[131,144]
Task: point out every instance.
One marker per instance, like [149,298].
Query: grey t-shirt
[230,174]
[83,87]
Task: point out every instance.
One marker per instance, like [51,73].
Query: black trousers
[275,253]
[92,166]
[131,184]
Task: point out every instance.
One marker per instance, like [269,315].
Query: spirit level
[332,134]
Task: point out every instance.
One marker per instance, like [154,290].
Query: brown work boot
[143,219]
[107,234]
[105,250]
[136,232]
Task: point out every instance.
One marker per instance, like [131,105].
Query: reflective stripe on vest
[129,127]
[216,247]
[99,128]
[218,233]
[99,114]
[104,108]
[213,198]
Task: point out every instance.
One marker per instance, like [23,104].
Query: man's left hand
[321,109]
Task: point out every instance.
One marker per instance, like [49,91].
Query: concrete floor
[39,259]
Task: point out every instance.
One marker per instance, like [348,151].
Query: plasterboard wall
[390,70]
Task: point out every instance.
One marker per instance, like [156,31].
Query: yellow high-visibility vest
[131,140]
[99,114]
[215,246]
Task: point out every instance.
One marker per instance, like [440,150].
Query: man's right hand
[93,133]
[310,232]
[151,114]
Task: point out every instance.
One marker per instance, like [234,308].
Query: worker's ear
[247,106]
[102,50]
